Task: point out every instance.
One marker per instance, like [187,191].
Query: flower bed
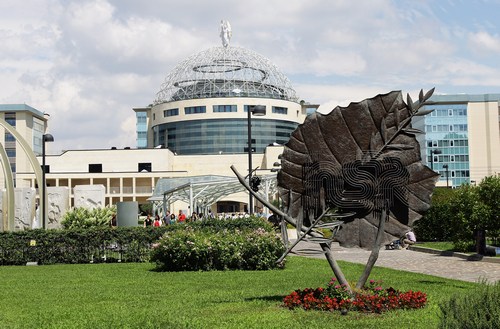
[371,299]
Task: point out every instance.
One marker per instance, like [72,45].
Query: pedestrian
[157,222]
[181,218]
[148,221]
[408,239]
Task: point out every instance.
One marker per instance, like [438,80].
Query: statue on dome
[225,32]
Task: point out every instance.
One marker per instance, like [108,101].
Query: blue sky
[88,63]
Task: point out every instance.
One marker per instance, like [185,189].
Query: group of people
[166,220]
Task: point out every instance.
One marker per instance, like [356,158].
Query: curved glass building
[202,106]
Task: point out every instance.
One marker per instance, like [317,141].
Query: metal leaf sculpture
[359,159]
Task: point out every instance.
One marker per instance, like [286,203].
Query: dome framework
[225,72]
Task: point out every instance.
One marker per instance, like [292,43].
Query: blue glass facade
[142,129]
[213,136]
[446,140]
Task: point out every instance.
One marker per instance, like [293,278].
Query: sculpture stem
[375,251]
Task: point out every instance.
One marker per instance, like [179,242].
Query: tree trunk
[480,236]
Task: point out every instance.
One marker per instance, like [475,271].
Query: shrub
[209,250]
[372,299]
[96,244]
[480,309]
[85,218]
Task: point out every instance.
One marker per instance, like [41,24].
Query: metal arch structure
[8,223]
[34,164]
[203,191]
[225,72]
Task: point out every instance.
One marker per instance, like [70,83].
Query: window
[10,117]
[11,153]
[9,137]
[144,167]
[45,169]
[280,110]
[224,108]
[95,167]
[195,109]
[450,112]
[171,112]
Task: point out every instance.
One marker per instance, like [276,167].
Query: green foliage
[131,295]
[85,218]
[103,243]
[189,250]
[456,214]
[478,309]
[95,244]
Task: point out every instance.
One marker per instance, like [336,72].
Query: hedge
[103,244]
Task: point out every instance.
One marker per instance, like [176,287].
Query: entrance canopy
[203,191]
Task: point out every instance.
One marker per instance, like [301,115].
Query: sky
[89,63]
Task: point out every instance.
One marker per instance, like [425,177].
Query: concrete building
[462,138]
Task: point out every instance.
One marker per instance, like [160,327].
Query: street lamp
[45,138]
[257,110]
[446,168]
[432,157]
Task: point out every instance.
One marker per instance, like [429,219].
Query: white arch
[7,172]
[34,164]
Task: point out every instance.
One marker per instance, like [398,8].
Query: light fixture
[256,110]
[45,138]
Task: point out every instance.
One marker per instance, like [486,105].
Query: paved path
[423,262]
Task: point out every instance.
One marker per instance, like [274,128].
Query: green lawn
[134,296]
[438,245]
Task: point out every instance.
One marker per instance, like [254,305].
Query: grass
[445,246]
[135,296]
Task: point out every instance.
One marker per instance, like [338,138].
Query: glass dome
[225,72]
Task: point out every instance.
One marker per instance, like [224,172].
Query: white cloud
[88,63]
[483,42]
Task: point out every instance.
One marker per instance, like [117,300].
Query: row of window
[448,143]
[449,158]
[449,112]
[218,109]
[220,135]
[141,167]
[446,128]
[455,173]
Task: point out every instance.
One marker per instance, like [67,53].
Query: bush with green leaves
[458,214]
[95,244]
[480,309]
[189,250]
[85,218]
[103,243]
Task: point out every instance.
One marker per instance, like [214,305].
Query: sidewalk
[421,260]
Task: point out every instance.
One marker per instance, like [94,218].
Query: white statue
[225,32]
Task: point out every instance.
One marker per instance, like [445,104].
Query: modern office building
[31,124]
[202,107]
[462,139]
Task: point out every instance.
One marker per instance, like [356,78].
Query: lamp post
[446,168]
[432,157]
[45,138]
[257,110]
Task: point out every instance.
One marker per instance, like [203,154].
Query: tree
[476,211]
